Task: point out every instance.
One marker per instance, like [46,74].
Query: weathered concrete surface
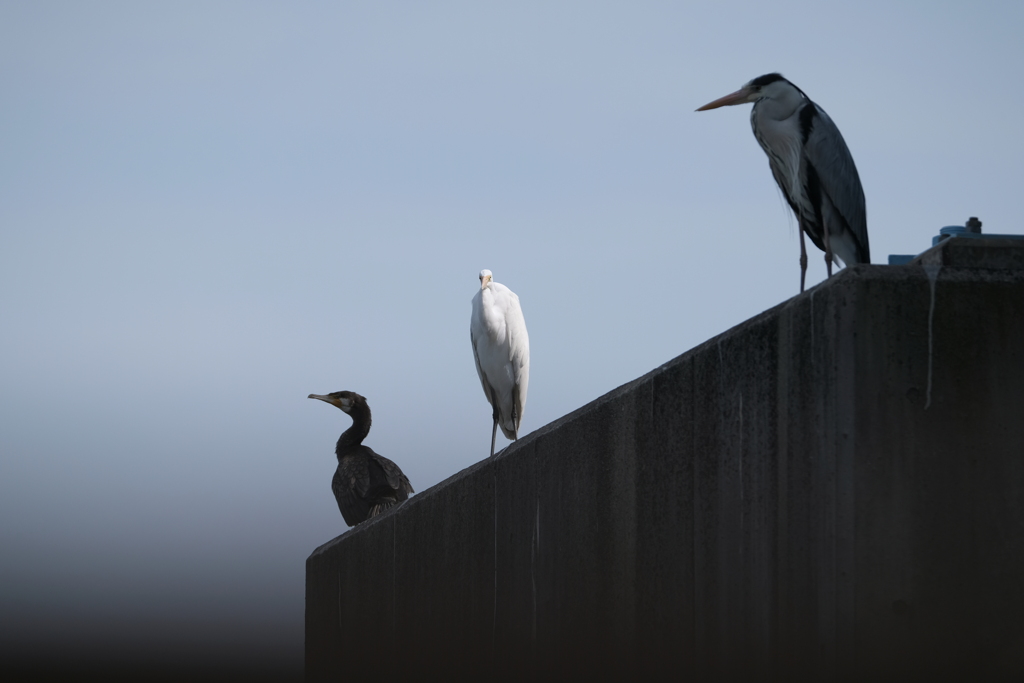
[988,252]
[833,490]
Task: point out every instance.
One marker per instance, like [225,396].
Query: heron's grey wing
[350,483]
[826,151]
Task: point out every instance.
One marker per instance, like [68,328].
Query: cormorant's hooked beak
[345,403]
[741,96]
[329,399]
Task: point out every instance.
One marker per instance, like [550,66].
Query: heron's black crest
[761,81]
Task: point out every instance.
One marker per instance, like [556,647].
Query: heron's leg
[828,249]
[803,258]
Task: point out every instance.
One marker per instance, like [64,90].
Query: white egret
[501,349]
[365,484]
[811,165]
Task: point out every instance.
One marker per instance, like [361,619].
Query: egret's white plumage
[811,165]
[501,349]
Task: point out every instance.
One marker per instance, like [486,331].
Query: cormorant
[365,484]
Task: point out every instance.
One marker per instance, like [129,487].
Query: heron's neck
[354,435]
[781,106]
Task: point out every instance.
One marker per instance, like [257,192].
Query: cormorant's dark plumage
[365,483]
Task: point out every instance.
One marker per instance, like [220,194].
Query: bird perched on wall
[365,484]
[501,349]
[811,165]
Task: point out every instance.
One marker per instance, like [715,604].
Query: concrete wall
[833,490]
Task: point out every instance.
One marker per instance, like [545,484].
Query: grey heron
[365,484]
[501,349]
[811,165]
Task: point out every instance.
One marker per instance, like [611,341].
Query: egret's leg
[494,415]
[803,259]
[515,413]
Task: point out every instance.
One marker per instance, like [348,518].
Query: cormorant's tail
[380,507]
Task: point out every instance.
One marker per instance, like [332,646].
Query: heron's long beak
[741,96]
[328,399]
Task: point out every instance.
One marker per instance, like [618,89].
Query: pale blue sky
[210,210]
